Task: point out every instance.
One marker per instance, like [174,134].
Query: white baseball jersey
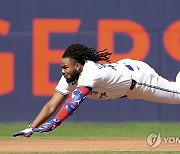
[108,81]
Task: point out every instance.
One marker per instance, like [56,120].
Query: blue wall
[20,104]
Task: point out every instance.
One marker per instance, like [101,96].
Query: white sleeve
[62,86]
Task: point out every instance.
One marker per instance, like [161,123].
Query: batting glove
[26,132]
[50,125]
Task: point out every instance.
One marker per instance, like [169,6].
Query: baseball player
[83,76]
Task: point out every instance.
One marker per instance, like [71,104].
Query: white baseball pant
[151,86]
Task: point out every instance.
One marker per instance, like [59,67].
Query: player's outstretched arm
[49,108]
[68,108]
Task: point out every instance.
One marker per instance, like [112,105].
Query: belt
[133,84]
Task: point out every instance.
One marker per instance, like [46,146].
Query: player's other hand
[26,132]
[50,125]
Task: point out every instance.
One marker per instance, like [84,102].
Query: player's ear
[78,66]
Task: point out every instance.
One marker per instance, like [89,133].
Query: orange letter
[171,40]
[6,64]
[139,36]
[43,56]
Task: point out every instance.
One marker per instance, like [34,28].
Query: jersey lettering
[107,65]
[103,95]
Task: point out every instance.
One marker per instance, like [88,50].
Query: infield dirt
[62,145]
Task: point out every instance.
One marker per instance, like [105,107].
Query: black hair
[82,53]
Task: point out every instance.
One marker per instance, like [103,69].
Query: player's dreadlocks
[82,53]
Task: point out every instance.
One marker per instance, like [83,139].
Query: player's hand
[50,125]
[26,132]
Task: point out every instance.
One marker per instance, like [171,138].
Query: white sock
[178,78]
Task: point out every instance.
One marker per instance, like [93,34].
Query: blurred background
[34,34]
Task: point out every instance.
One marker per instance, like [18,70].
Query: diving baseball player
[83,76]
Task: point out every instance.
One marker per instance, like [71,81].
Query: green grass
[71,130]
[98,130]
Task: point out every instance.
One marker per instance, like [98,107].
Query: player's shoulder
[90,63]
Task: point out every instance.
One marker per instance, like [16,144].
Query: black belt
[133,84]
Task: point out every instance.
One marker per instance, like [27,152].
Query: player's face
[70,69]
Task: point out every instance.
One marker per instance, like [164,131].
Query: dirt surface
[58,145]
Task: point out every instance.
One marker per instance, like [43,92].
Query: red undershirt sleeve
[73,102]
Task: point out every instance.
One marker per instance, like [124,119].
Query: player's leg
[158,90]
[150,86]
